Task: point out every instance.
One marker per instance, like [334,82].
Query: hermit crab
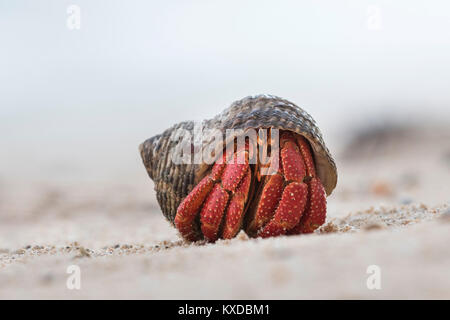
[260,166]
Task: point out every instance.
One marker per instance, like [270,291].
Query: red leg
[268,203]
[212,212]
[189,207]
[235,211]
[316,209]
[211,197]
[307,156]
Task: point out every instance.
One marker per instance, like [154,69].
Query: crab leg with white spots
[291,201]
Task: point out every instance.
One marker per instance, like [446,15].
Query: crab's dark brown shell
[173,181]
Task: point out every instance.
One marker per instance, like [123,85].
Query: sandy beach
[390,209]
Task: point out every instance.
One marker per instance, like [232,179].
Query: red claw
[289,210]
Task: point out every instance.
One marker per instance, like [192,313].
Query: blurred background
[83,83]
[75,103]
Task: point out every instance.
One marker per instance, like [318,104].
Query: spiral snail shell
[173,182]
